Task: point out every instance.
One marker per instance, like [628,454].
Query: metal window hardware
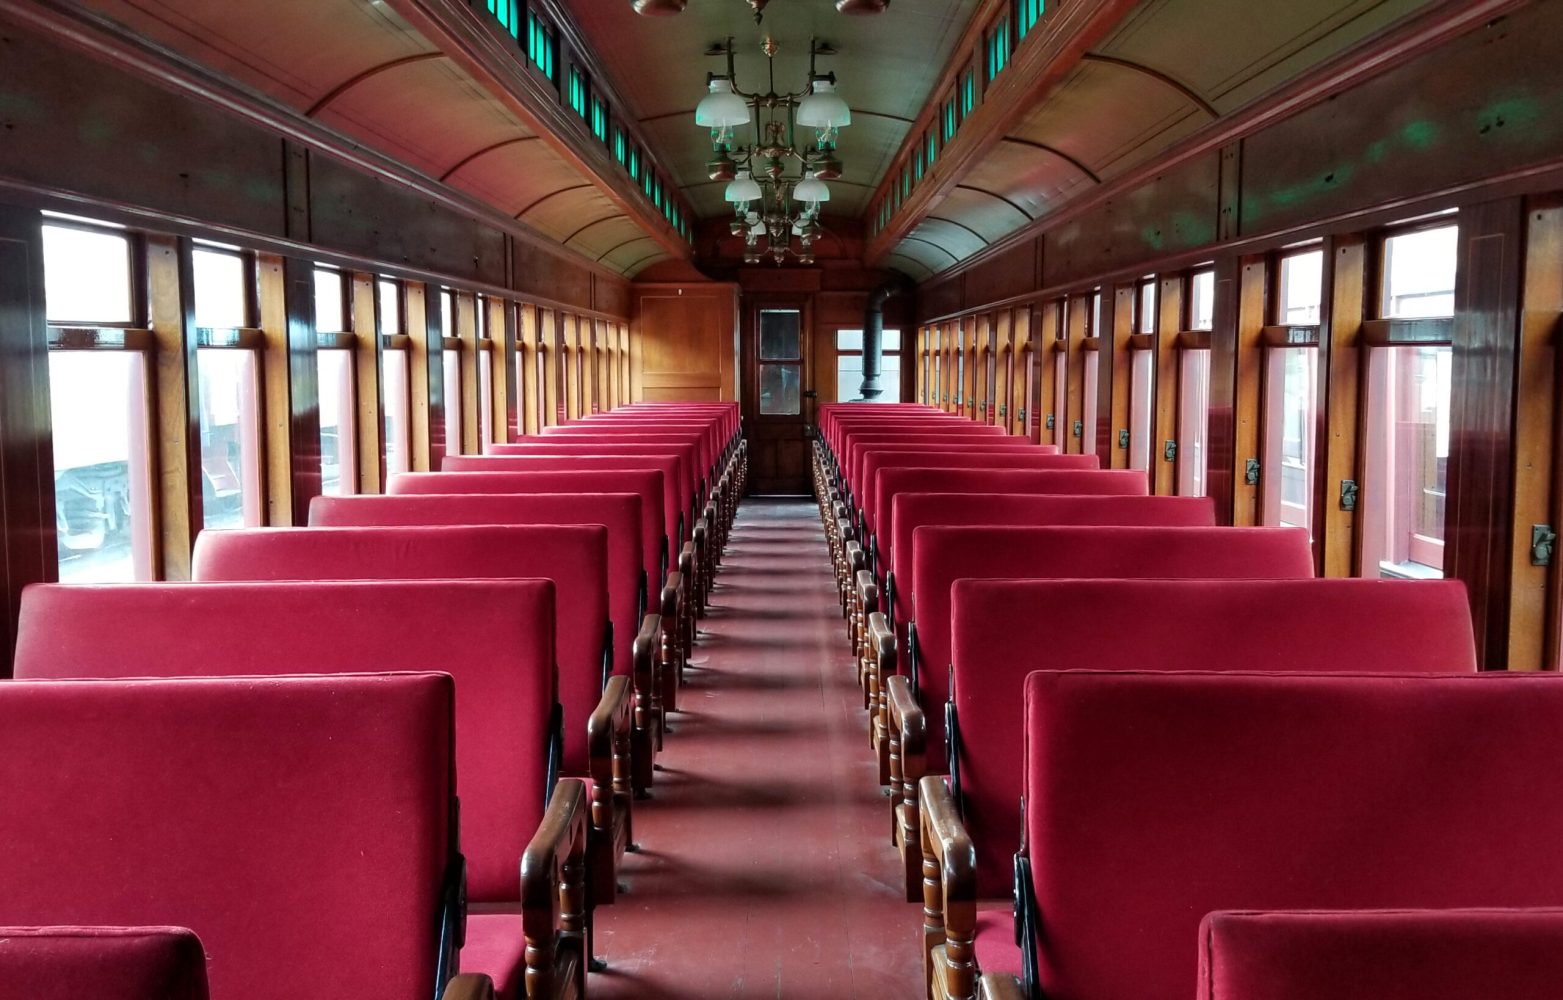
[1020,414]
[1542,541]
[1002,409]
[1123,438]
[1049,421]
[1251,472]
[1348,494]
[1079,427]
[1169,451]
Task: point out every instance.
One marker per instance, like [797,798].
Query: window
[1406,461]
[1090,374]
[541,45]
[580,90]
[1028,12]
[1202,300]
[1301,288]
[1142,396]
[388,306]
[950,120]
[968,93]
[849,367]
[506,12]
[600,118]
[229,392]
[450,371]
[1193,420]
[781,362]
[1419,271]
[1145,306]
[338,422]
[998,47]
[99,401]
[396,397]
[87,276]
[931,147]
[1291,392]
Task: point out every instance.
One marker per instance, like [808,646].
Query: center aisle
[766,868]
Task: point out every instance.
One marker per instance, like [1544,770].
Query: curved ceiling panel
[513,178]
[930,255]
[296,50]
[422,113]
[606,237]
[1105,112]
[1279,40]
[949,234]
[1033,180]
[634,254]
[990,214]
[910,266]
[565,211]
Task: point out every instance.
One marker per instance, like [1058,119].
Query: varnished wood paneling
[177,401]
[277,389]
[1246,363]
[1169,303]
[683,342]
[466,317]
[1075,331]
[370,416]
[1120,301]
[1220,465]
[1481,460]
[27,539]
[304,384]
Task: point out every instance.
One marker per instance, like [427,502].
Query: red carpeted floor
[766,867]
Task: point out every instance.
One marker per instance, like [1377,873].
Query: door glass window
[779,390]
[780,335]
[781,362]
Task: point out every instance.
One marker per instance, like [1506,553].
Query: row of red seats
[268,759]
[1127,748]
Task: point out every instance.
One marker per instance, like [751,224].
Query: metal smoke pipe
[874,338]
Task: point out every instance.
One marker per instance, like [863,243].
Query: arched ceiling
[885,67]
[359,68]
[1170,69]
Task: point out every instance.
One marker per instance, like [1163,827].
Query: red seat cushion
[618,512]
[301,824]
[943,555]
[1154,799]
[994,944]
[655,526]
[1001,630]
[1381,955]
[494,636]
[103,963]
[496,948]
[574,557]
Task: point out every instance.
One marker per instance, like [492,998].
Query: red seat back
[999,455]
[675,497]
[685,463]
[301,826]
[1154,799]
[618,512]
[574,557]
[105,963]
[910,511]
[861,441]
[494,636]
[940,556]
[1381,954]
[1001,630]
[655,527]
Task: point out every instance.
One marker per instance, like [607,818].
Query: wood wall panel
[1004,275]
[683,342]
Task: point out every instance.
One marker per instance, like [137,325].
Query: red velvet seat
[103,963]
[494,636]
[910,511]
[696,472]
[946,456]
[703,434]
[1154,799]
[302,826]
[891,482]
[884,476]
[574,557]
[655,528]
[856,442]
[1001,630]
[1381,954]
[701,442]
[677,503]
[943,555]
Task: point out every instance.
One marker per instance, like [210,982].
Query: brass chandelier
[776,181]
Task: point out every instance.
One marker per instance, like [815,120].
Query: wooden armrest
[609,755]
[1000,986]
[949,888]
[469,986]
[668,599]
[643,655]
[844,528]
[867,590]
[907,727]
[553,889]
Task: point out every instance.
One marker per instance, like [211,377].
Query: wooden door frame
[749,367]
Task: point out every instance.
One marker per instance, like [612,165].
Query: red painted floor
[766,867]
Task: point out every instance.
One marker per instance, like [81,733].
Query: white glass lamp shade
[824,108]
[811,191]
[742,188]
[721,108]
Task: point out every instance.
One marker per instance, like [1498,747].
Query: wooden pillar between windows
[466,317]
[1534,624]
[303,383]
[369,416]
[1074,331]
[1247,367]
[276,389]
[1340,401]
[1120,300]
[1048,358]
[1164,406]
[503,357]
[427,381]
[176,428]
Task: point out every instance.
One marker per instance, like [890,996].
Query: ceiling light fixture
[771,205]
[662,8]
